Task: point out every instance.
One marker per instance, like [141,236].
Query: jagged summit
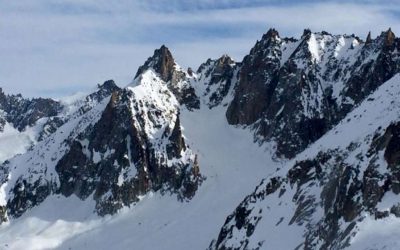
[224,59]
[161,62]
[271,34]
[389,37]
[369,39]
[109,84]
[386,38]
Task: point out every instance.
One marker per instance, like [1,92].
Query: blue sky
[55,48]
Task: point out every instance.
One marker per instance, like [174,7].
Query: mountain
[325,194]
[113,152]
[171,160]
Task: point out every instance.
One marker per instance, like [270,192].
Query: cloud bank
[55,48]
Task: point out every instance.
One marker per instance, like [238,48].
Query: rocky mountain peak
[23,112]
[385,40]
[369,39]
[225,59]
[162,62]
[269,42]
[306,33]
[109,84]
[215,66]
[389,37]
[271,34]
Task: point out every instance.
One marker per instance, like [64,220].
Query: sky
[55,48]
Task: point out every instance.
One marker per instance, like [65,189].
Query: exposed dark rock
[28,194]
[2,122]
[369,39]
[392,145]
[3,214]
[162,62]
[389,38]
[258,78]
[177,143]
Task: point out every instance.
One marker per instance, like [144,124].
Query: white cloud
[54,48]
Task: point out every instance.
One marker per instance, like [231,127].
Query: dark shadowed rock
[368,40]
[162,62]
[258,78]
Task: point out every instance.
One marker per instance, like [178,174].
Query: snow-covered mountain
[171,160]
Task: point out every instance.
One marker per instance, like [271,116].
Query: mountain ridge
[119,145]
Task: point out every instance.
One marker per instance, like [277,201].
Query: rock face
[330,188]
[119,150]
[293,91]
[176,78]
[257,81]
